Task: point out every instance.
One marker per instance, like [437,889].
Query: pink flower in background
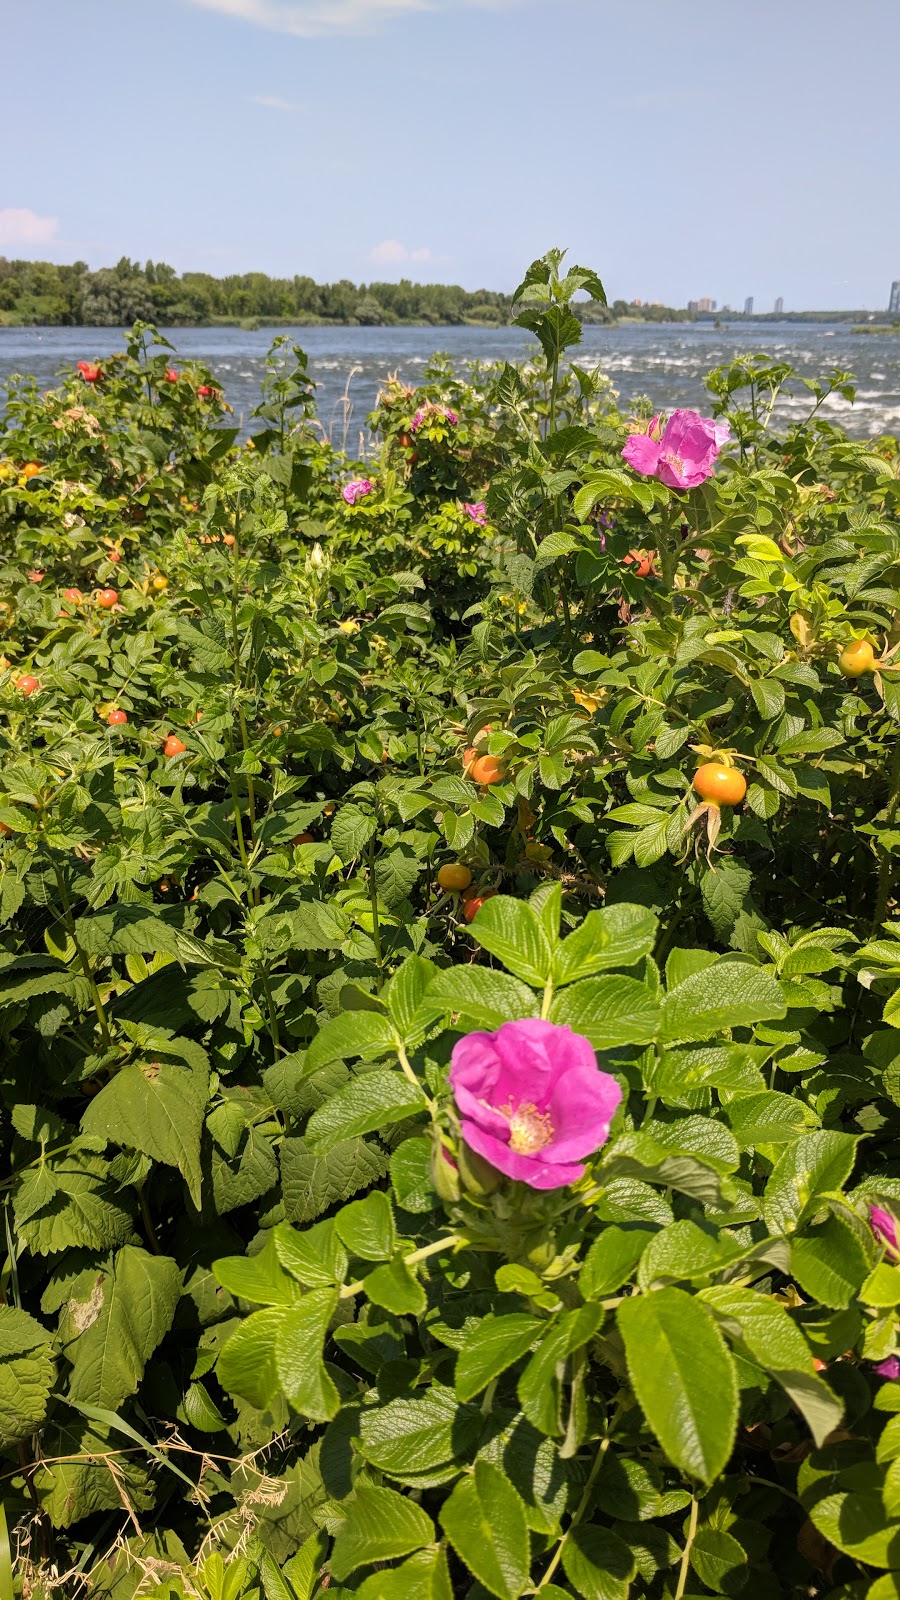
[684,456]
[534,1102]
[889,1368]
[423,413]
[884,1226]
[357,490]
[476,509]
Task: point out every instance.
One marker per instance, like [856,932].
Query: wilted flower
[889,1368]
[884,1226]
[207,392]
[357,490]
[476,509]
[684,455]
[534,1103]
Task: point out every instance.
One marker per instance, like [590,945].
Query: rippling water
[666,363]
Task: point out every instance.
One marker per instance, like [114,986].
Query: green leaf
[157,1108]
[829,1263]
[611,1260]
[511,931]
[411,1178]
[313,1183]
[299,1367]
[598,1564]
[731,994]
[351,831]
[608,1011]
[769,1118]
[354,1033]
[246,1364]
[540,1387]
[396,1288]
[366,1103]
[718,1560]
[27,1371]
[764,1331]
[684,1378]
[818,1164]
[724,890]
[380,1525]
[316,1256]
[617,936]
[484,1519]
[882,1287]
[421,1441]
[127,1314]
[424,1576]
[483,998]
[366,1227]
[493,1345]
[260,1279]
[73,1480]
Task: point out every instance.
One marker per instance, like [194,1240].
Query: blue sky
[686,149]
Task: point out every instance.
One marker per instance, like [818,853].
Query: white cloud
[273,102]
[422,254]
[317,19]
[21,226]
[389,253]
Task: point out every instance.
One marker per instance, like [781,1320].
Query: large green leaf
[494,1344]
[27,1370]
[127,1314]
[684,1378]
[483,998]
[598,1564]
[617,936]
[425,1576]
[370,1101]
[311,1182]
[818,1164]
[764,1331]
[380,1525]
[610,1011]
[512,932]
[156,1107]
[422,1440]
[484,1519]
[730,994]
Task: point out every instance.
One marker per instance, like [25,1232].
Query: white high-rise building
[895,296]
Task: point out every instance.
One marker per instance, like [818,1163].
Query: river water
[666,362]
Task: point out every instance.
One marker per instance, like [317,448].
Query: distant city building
[748,306]
[706,304]
[895,296]
[693,305]
[637,302]
[726,306]
[779,306]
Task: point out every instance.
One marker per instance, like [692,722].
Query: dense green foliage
[267,1327]
[41,292]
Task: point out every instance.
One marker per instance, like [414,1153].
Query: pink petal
[641,453]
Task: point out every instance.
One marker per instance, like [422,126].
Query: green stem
[147,1220]
[886,869]
[273,1020]
[373,901]
[686,1557]
[583,1503]
[448,1243]
[83,959]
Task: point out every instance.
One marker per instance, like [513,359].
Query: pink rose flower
[884,1226]
[889,1368]
[534,1102]
[476,509]
[686,453]
[430,408]
[357,490]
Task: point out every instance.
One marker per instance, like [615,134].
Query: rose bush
[529,1228]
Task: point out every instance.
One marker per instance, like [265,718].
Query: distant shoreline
[876,323]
